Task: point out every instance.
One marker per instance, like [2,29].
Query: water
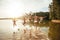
[27,32]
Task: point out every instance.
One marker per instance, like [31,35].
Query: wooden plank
[55,21]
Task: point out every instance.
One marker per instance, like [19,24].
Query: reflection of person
[24,31]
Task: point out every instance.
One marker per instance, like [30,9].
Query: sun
[15,9]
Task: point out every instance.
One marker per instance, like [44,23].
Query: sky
[14,8]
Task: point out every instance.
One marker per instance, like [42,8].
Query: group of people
[34,19]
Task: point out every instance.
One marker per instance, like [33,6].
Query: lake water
[6,29]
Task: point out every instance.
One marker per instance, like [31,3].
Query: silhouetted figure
[24,21]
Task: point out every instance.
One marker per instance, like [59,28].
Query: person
[35,19]
[24,21]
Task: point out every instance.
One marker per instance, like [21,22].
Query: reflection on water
[26,32]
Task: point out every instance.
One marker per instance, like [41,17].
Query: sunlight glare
[16,9]
[15,28]
[28,27]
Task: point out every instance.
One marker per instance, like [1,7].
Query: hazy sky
[18,7]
